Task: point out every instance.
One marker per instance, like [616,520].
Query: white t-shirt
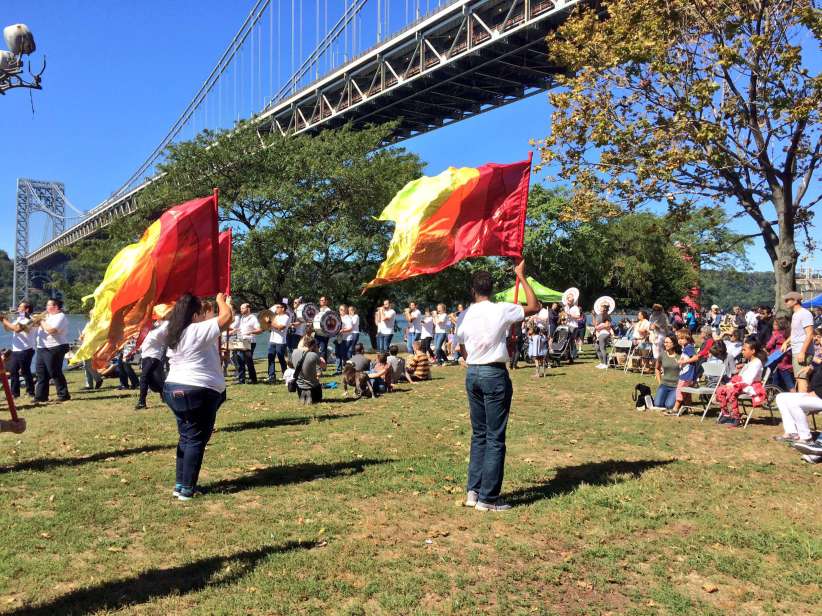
[196,360]
[642,329]
[23,340]
[751,373]
[244,324]
[441,323]
[154,343]
[279,336]
[751,321]
[56,321]
[427,326]
[346,322]
[299,328]
[386,326]
[414,322]
[801,319]
[318,331]
[355,323]
[483,330]
[572,320]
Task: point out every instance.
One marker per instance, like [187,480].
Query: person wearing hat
[801,337]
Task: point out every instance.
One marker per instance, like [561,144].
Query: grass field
[356,510]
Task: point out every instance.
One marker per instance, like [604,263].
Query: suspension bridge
[300,66]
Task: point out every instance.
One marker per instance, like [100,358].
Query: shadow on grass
[123,395]
[44,464]
[276,422]
[569,478]
[155,584]
[294,473]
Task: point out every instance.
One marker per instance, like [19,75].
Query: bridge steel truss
[470,57]
[467,58]
[34,196]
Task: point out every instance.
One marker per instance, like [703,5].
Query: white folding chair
[620,345]
[743,399]
[712,371]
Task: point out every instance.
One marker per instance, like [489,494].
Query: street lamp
[20,42]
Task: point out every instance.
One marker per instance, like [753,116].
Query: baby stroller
[560,348]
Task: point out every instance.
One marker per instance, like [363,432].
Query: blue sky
[120,71]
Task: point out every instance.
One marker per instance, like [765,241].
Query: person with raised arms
[195,385]
[22,349]
[481,334]
[52,346]
[384,319]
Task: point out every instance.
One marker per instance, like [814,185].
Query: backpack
[640,391]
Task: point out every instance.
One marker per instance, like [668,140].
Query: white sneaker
[471,499]
[500,505]
[811,459]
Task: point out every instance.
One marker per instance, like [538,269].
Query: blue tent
[816,302]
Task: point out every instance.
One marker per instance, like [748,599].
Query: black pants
[425,345]
[50,367]
[128,378]
[20,365]
[316,393]
[152,377]
[244,360]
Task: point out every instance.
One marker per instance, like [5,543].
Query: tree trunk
[784,269]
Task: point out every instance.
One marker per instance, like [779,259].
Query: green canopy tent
[543,293]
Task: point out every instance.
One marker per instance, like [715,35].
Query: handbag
[298,370]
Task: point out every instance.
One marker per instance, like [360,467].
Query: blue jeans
[195,409]
[276,352]
[439,341]
[489,402]
[783,379]
[342,349]
[665,397]
[411,337]
[383,342]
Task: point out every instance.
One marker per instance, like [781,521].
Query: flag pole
[7,390]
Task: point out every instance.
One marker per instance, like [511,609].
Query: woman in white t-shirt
[342,348]
[52,345]
[195,385]
[427,332]
[442,325]
[354,334]
[22,349]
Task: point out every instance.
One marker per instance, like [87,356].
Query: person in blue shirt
[687,370]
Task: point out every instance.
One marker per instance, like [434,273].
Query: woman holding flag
[195,385]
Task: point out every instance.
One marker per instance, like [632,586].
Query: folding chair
[639,354]
[620,345]
[711,371]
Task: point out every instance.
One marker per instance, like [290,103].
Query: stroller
[560,348]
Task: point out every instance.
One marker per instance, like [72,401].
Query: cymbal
[266,319]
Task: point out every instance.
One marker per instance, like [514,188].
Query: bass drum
[330,323]
[307,312]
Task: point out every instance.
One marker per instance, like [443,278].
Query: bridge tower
[34,196]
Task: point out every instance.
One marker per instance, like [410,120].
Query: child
[687,370]
[419,367]
[381,374]
[748,381]
[288,375]
[537,348]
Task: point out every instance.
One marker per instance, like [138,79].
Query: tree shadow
[158,583]
[294,473]
[569,478]
[44,464]
[276,422]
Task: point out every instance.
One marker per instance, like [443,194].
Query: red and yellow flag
[458,214]
[178,253]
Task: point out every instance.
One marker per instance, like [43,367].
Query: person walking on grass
[481,334]
[195,385]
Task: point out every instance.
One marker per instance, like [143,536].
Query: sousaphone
[606,300]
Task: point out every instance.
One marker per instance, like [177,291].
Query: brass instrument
[38,318]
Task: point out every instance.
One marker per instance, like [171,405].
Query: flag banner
[458,214]
[178,253]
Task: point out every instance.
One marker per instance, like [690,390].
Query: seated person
[360,361]
[398,369]
[419,367]
[734,347]
[748,381]
[704,352]
[381,375]
[309,388]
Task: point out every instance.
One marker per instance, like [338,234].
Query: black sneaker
[726,419]
[814,447]
[139,406]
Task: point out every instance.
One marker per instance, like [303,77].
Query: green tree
[685,101]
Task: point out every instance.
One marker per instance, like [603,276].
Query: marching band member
[341,345]
[355,329]
[195,386]
[22,349]
[277,341]
[297,330]
[385,325]
[246,326]
[412,317]
[152,351]
[52,346]
[322,341]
